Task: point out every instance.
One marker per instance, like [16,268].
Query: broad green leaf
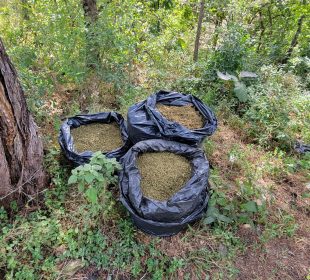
[208,220]
[241,92]
[224,219]
[229,207]
[89,178]
[100,178]
[181,43]
[306,195]
[250,206]
[97,167]
[72,179]
[222,201]
[79,168]
[92,195]
[81,186]
[212,211]
[226,77]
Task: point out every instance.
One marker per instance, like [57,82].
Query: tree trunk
[270,20]
[262,31]
[21,149]
[25,10]
[200,18]
[91,15]
[90,11]
[215,38]
[294,40]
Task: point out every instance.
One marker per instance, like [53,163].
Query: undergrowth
[82,225]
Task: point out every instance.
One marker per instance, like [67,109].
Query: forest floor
[273,243]
[267,255]
[279,248]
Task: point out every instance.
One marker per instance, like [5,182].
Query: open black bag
[66,141]
[146,122]
[165,218]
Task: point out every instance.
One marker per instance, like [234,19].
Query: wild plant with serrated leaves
[92,180]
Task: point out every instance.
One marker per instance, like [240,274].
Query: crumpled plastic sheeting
[146,122]
[66,141]
[164,218]
[301,148]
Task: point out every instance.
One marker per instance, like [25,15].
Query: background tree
[294,41]
[21,150]
[91,15]
[200,18]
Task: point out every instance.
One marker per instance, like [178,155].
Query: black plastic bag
[165,218]
[146,122]
[66,141]
[301,148]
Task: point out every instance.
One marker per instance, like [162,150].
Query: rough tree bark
[200,18]
[21,150]
[91,15]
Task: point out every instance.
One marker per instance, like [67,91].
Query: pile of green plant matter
[162,174]
[97,137]
[187,116]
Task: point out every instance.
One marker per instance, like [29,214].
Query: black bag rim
[163,97]
[146,122]
[66,142]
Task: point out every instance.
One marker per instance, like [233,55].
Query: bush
[301,67]
[92,180]
[232,52]
[278,109]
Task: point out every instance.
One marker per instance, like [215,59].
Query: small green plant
[285,226]
[245,208]
[55,196]
[3,217]
[93,179]
[27,247]
[240,89]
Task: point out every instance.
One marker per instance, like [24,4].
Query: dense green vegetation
[71,62]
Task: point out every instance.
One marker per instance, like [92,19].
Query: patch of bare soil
[282,258]
[97,137]
[96,95]
[92,273]
[187,116]
[163,174]
[293,192]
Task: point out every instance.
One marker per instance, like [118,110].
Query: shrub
[278,109]
[232,52]
[92,180]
